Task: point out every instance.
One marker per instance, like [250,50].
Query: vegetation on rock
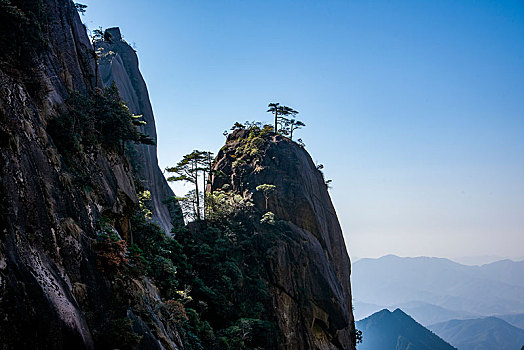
[99,119]
[22,23]
[224,307]
[267,190]
[280,113]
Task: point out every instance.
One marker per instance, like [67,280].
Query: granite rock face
[309,269]
[52,295]
[119,64]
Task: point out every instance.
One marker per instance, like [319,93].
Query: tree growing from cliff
[96,37]
[100,119]
[266,189]
[206,164]
[81,8]
[189,169]
[115,122]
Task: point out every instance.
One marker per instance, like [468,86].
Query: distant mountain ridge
[397,330]
[516,320]
[437,289]
[480,334]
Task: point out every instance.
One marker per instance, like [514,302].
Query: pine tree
[188,170]
[281,112]
[266,189]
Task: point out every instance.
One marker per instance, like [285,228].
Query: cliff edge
[81,265]
[308,268]
[119,64]
[67,195]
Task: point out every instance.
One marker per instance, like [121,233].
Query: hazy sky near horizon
[415,108]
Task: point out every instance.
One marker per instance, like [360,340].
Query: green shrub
[100,119]
[22,41]
[220,264]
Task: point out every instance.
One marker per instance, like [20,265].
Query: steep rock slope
[396,330]
[119,64]
[308,267]
[52,295]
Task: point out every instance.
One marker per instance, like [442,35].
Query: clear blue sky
[416,108]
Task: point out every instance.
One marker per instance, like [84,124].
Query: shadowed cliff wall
[52,293]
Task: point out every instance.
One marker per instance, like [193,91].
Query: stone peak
[114,33]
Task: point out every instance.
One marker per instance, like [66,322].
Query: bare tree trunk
[204,193]
[196,190]
[95,57]
[276,121]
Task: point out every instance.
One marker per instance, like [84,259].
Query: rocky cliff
[308,266]
[81,267]
[58,206]
[119,64]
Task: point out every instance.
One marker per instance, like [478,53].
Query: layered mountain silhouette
[436,290]
[424,313]
[487,333]
[397,330]
[516,320]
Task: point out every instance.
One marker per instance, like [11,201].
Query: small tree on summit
[238,126]
[281,112]
[291,125]
[275,109]
[267,190]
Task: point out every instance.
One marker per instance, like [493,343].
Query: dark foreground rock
[52,292]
